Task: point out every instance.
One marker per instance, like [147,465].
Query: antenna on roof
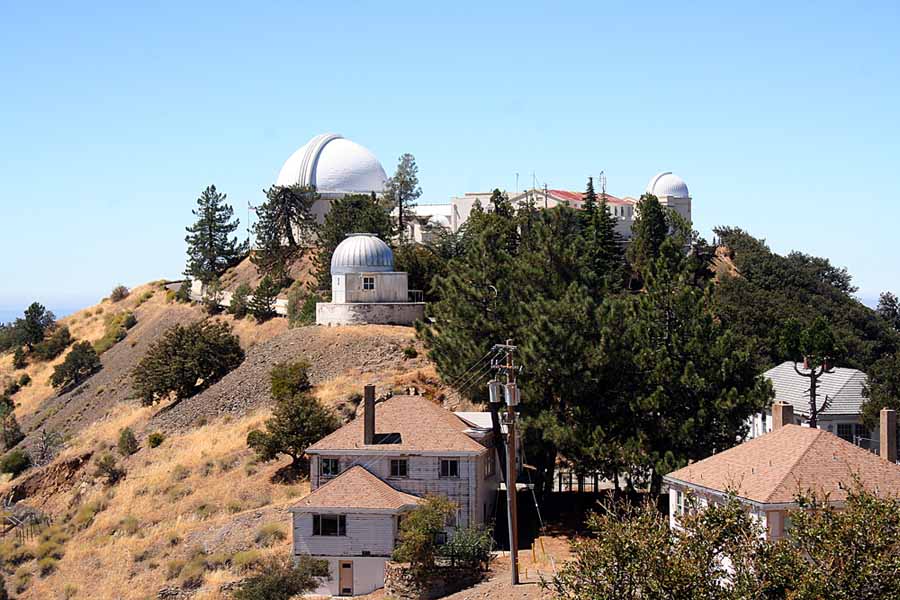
[517,183]
[603,182]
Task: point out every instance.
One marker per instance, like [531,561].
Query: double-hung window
[489,463]
[330,525]
[368,283]
[329,467]
[399,467]
[449,467]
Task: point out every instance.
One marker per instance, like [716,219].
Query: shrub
[14,462]
[262,305]
[418,533]
[54,345]
[49,548]
[108,468]
[410,352]
[239,300]
[10,432]
[174,567]
[119,293]
[301,305]
[47,565]
[14,553]
[117,326]
[129,525]
[19,360]
[144,297]
[24,380]
[287,379]
[246,560]
[4,595]
[128,444]
[279,578]
[184,292]
[80,363]
[187,360]
[155,439]
[212,299]
[87,512]
[204,510]
[22,579]
[269,535]
[234,507]
[180,473]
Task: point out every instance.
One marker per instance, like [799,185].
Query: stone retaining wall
[400,583]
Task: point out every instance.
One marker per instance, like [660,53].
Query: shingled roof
[843,387]
[405,424]
[773,468]
[356,488]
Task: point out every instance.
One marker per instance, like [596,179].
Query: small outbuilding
[365,288]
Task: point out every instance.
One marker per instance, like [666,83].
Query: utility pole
[511,395]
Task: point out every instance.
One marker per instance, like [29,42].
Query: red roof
[577,198]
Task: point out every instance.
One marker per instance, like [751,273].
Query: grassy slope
[200,490]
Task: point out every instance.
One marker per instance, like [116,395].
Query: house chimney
[888,441]
[782,414]
[369,416]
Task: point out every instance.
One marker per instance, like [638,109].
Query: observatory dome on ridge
[362,253]
[335,166]
[667,184]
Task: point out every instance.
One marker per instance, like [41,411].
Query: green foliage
[10,432]
[882,389]
[283,230]
[410,352]
[211,247]
[417,544]
[127,444]
[773,290]
[401,191]
[108,468]
[422,264]
[54,345]
[468,547]
[721,553]
[4,595]
[246,560]
[81,362]
[648,231]
[186,360]
[889,309]
[281,578]
[298,418]
[155,439]
[15,462]
[183,294]
[238,305]
[19,359]
[356,213]
[35,324]
[24,380]
[119,293]
[117,326]
[270,534]
[301,305]
[262,305]
[87,512]
[212,297]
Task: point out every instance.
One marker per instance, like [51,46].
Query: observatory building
[365,288]
[336,167]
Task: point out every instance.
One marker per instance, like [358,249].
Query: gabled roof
[773,468]
[356,488]
[844,388]
[422,425]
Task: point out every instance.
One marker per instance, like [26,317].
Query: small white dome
[334,166]
[439,221]
[361,253]
[668,184]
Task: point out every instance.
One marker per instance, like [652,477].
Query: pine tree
[35,324]
[589,205]
[606,248]
[262,305]
[649,231]
[285,229]
[357,213]
[402,190]
[211,250]
[889,309]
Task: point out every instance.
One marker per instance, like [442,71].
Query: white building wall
[368,575]
[470,491]
[389,287]
[366,533]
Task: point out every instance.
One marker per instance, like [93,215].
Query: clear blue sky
[783,119]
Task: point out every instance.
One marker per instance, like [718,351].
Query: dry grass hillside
[195,512]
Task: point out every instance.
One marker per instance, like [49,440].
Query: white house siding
[467,491]
[389,287]
[368,575]
[366,533]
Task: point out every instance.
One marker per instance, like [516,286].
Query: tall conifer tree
[211,248]
[285,230]
[401,192]
[649,231]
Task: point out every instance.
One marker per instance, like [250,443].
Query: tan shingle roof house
[366,475]
[768,472]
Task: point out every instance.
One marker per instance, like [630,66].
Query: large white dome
[334,166]
[361,253]
[668,184]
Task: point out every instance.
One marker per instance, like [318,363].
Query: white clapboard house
[366,475]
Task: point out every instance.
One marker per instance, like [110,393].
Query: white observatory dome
[334,166]
[668,184]
[361,253]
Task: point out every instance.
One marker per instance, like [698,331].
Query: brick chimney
[888,431]
[782,414]
[369,416]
